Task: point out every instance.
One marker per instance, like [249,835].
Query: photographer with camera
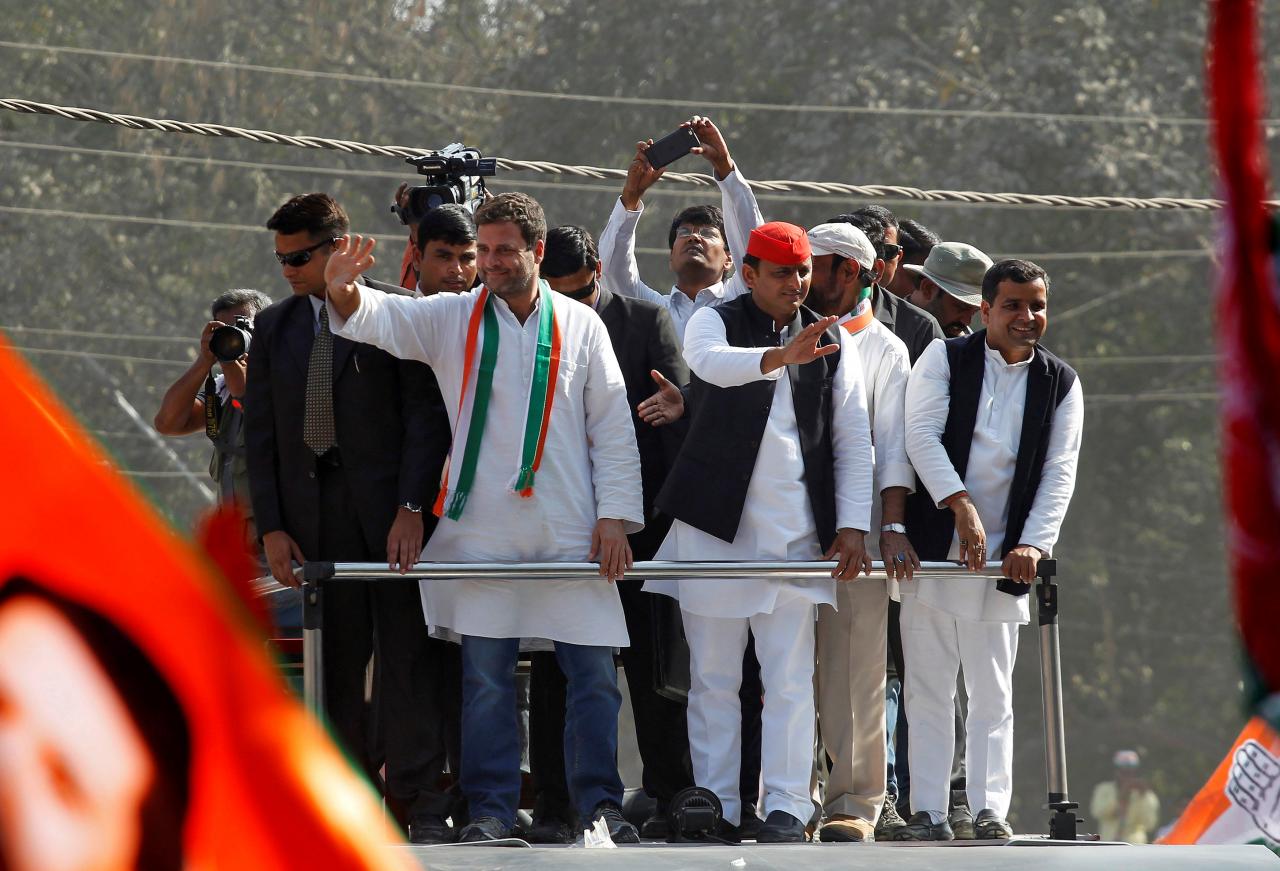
[199,400]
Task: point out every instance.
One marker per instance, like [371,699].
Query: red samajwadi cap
[779,242]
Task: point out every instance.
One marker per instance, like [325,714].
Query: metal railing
[1062,824]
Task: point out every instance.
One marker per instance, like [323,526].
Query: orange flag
[140,713]
[1241,802]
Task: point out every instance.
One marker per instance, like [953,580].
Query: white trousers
[934,645]
[784,646]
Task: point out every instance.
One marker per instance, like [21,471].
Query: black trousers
[413,720]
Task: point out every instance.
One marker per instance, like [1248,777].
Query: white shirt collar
[996,357]
[716,290]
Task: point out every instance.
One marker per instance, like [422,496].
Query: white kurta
[622,274]
[590,466]
[777,521]
[992,459]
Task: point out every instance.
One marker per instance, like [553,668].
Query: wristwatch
[411,506]
[899,528]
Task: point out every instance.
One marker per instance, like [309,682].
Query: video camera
[230,343]
[455,174]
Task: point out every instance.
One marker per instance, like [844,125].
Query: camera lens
[229,343]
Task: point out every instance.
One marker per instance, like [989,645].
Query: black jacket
[392,429]
[910,323]
[707,487]
[643,339]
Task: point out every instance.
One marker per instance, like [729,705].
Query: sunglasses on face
[301,257]
[890,250]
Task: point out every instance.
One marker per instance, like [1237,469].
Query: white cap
[843,239]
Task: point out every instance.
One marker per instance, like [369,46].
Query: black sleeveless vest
[707,485]
[1049,380]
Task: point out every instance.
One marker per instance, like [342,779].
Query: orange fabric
[267,788]
[1211,801]
[779,242]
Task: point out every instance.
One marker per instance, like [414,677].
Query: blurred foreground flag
[1249,343]
[1241,802]
[142,724]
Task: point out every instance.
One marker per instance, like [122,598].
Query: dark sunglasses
[890,250]
[303,257]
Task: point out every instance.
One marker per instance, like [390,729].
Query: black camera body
[455,174]
[230,343]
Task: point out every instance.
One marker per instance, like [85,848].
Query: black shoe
[429,829]
[550,830]
[656,828]
[889,820]
[749,827]
[918,828]
[727,832]
[781,828]
[484,829]
[620,831]
[989,827]
[961,818]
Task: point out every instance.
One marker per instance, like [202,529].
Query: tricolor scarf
[862,314]
[473,405]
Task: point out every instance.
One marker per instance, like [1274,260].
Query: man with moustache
[852,636]
[917,241]
[951,285]
[993,429]
[544,469]
[914,326]
[442,252]
[776,466]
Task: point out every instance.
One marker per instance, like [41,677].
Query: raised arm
[737,200]
[618,240]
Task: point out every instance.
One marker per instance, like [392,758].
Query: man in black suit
[345,444]
[644,341]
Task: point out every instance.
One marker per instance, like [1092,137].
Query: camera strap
[212,407]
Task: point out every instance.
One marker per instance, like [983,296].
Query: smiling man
[777,465]
[545,470]
[993,429]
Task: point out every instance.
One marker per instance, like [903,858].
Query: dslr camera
[455,174]
[230,343]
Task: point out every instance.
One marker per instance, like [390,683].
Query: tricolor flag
[142,721]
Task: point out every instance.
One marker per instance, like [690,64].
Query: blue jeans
[490,773]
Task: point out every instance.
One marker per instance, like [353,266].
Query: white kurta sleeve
[851,440]
[741,216]
[927,406]
[611,439]
[714,360]
[617,248]
[1058,476]
[888,385]
[406,327]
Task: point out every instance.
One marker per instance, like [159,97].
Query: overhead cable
[880,192]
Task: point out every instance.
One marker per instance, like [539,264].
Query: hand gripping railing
[1062,825]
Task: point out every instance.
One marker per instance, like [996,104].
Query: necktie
[317,424]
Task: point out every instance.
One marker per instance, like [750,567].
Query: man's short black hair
[1018,271]
[569,249]
[516,208]
[873,226]
[317,214]
[451,224]
[697,216]
[879,212]
[253,300]
[916,240]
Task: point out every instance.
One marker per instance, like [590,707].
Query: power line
[85,334]
[59,352]
[1152,359]
[878,192]
[390,239]
[1114,398]
[698,106]
[611,190]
